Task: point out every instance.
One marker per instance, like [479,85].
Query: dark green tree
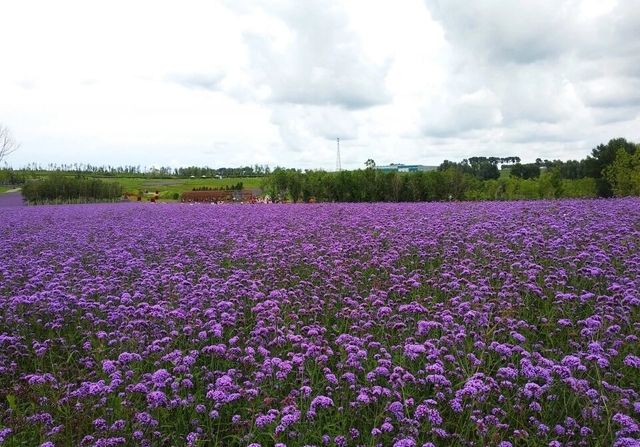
[525,171]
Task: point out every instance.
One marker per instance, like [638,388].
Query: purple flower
[160,378]
[626,442]
[532,390]
[264,420]
[156,399]
[405,442]
[108,366]
[283,317]
[431,414]
[322,402]
[632,361]
[628,424]
[413,351]
[571,361]
[4,433]
[192,438]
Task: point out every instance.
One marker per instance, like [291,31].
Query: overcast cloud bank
[242,82]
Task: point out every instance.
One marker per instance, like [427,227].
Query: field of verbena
[343,325]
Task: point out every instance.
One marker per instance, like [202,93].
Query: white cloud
[454,116]
[230,82]
[552,68]
[206,81]
[313,58]
[517,31]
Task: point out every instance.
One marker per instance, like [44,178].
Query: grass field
[168,187]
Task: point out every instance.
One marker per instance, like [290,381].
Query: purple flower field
[404,325]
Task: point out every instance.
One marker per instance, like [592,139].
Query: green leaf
[11,399]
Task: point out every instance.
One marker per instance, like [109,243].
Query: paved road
[11,199]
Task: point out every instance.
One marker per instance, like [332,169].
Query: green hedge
[58,188]
[375,186]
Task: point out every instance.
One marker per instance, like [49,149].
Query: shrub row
[58,188]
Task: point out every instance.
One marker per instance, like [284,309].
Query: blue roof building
[399,167]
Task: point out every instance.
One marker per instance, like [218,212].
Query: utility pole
[338,163]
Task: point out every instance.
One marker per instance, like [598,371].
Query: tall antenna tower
[338,163]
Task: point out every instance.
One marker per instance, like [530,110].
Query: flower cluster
[401,325]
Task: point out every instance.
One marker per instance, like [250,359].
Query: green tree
[280,183]
[294,184]
[581,187]
[61,188]
[483,168]
[455,183]
[601,157]
[550,184]
[525,171]
[623,174]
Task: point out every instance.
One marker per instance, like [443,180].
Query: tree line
[611,169]
[10,176]
[235,187]
[608,164]
[370,185]
[59,188]
[33,170]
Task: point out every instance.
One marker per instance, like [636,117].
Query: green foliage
[58,188]
[482,168]
[603,156]
[229,187]
[138,171]
[370,185]
[475,178]
[582,187]
[525,171]
[593,166]
[550,184]
[199,172]
[623,174]
[10,176]
[169,187]
[522,189]
[571,169]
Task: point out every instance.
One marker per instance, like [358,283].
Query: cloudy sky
[237,82]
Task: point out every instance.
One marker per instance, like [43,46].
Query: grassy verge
[169,187]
